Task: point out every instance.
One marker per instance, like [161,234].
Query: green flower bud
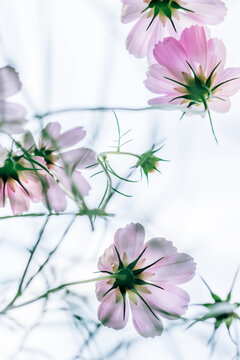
[148,162]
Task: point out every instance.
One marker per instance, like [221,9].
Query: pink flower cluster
[161,18]
[43,172]
[63,176]
[186,66]
[38,172]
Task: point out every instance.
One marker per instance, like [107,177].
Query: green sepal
[134,263]
[120,263]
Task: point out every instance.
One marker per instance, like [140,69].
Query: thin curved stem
[97,108]
[118,153]
[53,290]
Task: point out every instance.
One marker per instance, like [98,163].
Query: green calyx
[45,154]
[197,90]
[125,279]
[148,161]
[220,311]
[164,8]
[128,277]
[11,170]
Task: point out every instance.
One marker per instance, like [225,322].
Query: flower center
[125,279]
[9,170]
[164,8]
[161,4]
[46,154]
[198,91]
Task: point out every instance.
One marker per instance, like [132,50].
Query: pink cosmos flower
[18,182]
[149,274]
[63,165]
[190,73]
[161,18]
[12,115]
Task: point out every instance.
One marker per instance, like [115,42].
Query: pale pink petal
[139,37]
[19,199]
[9,82]
[157,248]
[194,42]
[34,188]
[171,54]
[70,137]
[12,117]
[219,105]
[80,183]
[167,100]
[216,56]
[230,87]
[157,35]
[170,302]
[102,287]
[111,311]
[28,141]
[209,12]
[131,2]
[157,81]
[49,135]
[10,111]
[78,158]
[108,260]
[1,192]
[144,321]
[132,11]
[55,195]
[129,241]
[74,182]
[175,267]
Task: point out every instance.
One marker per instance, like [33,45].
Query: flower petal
[102,287]
[50,135]
[10,111]
[71,137]
[176,268]
[111,310]
[28,141]
[55,195]
[171,54]
[75,183]
[139,37]
[131,12]
[231,87]
[18,198]
[219,105]
[194,42]
[108,260]
[209,12]
[9,82]
[79,158]
[170,303]
[156,249]
[144,321]
[129,241]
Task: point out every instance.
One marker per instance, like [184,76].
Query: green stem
[117,153]
[33,250]
[53,290]
[98,108]
[101,158]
